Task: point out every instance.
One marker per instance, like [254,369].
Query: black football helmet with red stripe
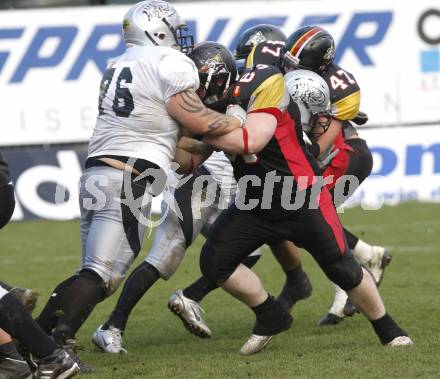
[310,47]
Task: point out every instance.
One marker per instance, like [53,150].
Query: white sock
[339,301]
[362,252]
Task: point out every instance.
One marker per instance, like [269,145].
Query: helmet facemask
[213,85]
[319,123]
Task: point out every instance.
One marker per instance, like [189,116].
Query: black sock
[8,350]
[17,322]
[199,289]
[271,318]
[264,307]
[139,281]
[202,286]
[48,317]
[85,292]
[387,329]
[295,274]
[352,240]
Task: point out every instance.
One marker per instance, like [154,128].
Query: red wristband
[245,141]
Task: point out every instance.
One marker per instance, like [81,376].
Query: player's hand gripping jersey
[262,89]
[133,120]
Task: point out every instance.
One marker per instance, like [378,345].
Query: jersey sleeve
[348,107]
[177,73]
[345,94]
[270,97]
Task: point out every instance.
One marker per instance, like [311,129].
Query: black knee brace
[345,272]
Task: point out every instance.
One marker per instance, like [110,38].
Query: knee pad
[7,204]
[345,272]
[209,266]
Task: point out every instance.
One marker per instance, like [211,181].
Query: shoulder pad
[250,81]
[341,83]
[267,52]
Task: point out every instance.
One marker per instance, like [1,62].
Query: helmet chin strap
[208,80]
[227,83]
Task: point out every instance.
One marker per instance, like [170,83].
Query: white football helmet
[311,93]
[156,22]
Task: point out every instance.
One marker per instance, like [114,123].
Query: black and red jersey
[262,89]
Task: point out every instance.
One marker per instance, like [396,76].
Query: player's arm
[264,113]
[188,110]
[325,140]
[191,153]
[251,139]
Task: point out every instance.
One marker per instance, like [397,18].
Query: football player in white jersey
[199,203]
[147,94]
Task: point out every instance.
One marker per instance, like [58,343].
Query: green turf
[40,254]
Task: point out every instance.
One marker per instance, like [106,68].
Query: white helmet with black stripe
[156,22]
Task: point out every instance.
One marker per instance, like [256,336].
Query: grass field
[40,254]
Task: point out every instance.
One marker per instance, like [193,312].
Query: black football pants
[236,233]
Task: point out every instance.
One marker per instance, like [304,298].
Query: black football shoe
[58,365]
[11,368]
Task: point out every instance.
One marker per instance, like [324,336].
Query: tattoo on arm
[217,122]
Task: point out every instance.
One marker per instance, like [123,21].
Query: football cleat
[276,321]
[11,368]
[380,258]
[349,308]
[300,289]
[254,344]
[109,341]
[401,341]
[26,296]
[330,319]
[58,365]
[336,312]
[71,348]
[189,311]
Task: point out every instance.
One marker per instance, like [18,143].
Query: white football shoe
[380,258]
[254,344]
[189,311]
[109,341]
[401,341]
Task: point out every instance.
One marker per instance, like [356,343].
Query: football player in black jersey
[340,150]
[270,146]
[16,321]
[298,285]
[313,48]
